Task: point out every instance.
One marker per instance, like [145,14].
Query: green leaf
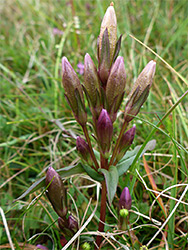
[128,158]
[63,172]
[111,178]
[92,173]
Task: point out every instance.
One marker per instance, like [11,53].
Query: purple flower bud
[83,150]
[91,80]
[126,141]
[109,22]
[104,60]
[140,91]
[73,91]
[116,85]
[104,131]
[72,224]
[125,200]
[39,246]
[63,224]
[56,192]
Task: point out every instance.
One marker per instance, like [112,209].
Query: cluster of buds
[56,193]
[104,89]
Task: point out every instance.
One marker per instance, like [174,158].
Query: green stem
[127,224]
[117,143]
[90,146]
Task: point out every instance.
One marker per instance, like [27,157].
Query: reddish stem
[104,164]
[102,213]
[117,143]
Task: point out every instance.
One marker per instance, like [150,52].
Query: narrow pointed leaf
[117,49]
[92,173]
[125,163]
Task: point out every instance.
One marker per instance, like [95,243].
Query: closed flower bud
[72,224]
[41,247]
[116,85]
[125,200]
[83,150]
[64,227]
[104,60]
[73,91]
[56,192]
[104,131]
[125,143]
[91,80]
[140,91]
[124,213]
[109,22]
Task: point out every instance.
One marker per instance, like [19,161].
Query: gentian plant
[103,88]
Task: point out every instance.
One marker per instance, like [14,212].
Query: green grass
[32,98]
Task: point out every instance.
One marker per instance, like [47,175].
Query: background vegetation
[37,128]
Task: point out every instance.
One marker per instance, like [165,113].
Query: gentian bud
[140,91]
[64,227]
[107,44]
[72,224]
[125,143]
[104,131]
[124,212]
[115,86]
[125,200]
[41,247]
[91,80]
[56,192]
[104,60]
[109,22]
[83,150]
[73,91]
[92,86]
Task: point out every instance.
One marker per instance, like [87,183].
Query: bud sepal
[104,130]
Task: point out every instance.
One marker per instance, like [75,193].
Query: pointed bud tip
[104,130]
[104,116]
[125,200]
[50,173]
[64,63]
[64,60]
[151,67]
